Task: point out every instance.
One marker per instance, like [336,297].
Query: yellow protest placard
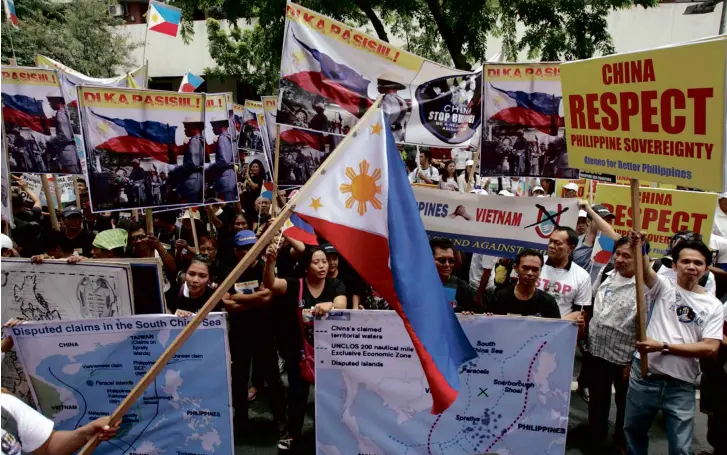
[663,213]
[657,115]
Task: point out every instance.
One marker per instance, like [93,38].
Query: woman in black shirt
[315,292]
[195,290]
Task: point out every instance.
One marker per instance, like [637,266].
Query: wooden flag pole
[640,303]
[194,230]
[276,160]
[77,191]
[246,261]
[51,204]
[59,193]
[135,214]
[149,222]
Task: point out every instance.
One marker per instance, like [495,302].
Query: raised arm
[650,277]
[277,285]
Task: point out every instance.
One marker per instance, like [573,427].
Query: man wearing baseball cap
[6,245]
[251,334]
[570,190]
[75,237]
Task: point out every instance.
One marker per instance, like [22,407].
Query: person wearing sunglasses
[458,292]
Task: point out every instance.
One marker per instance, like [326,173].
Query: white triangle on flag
[153,16]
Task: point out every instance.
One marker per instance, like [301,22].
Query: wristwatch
[665,349]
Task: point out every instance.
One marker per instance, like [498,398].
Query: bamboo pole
[194,230]
[135,214]
[59,193]
[51,205]
[276,160]
[474,166]
[640,303]
[149,222]
[77,191]
[243,265]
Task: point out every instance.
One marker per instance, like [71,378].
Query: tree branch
[451,40]
[365,6]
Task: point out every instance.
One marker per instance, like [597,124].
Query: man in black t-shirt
[75,238]
[524,299]
[355,286]
[458,292]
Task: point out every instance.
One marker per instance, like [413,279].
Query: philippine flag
[190,82]
[365,207]
[149,138]
[10,14]
[163,18]
[23,111]
[536,110]
[317,73]
[295,228]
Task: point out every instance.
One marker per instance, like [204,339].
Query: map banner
[54,291]
[656,115]
[82,370]
[663,213]
[524,129]
[372,396]
[493,225]
[331,73]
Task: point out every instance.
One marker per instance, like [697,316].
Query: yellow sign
[29,76]
[663,213]
[124,98]
[657,115]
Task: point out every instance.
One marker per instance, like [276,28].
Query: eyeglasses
[445,261]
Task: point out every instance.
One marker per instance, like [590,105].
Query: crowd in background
[267,333]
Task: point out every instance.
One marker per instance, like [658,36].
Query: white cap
[478,191]
[5,242]
[469,163]
[540,195]
[191,214]
[505,193]
[539,188]
[582,214]
[722,195]
[571,186]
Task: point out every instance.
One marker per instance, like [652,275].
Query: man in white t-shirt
[566,281]
[425,173]
[460,157]
[684,324]
[23,429]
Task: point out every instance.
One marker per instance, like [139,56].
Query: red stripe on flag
[368,254]
[23,119]
[166,28]
[526,117]
[312,81]
[136,146]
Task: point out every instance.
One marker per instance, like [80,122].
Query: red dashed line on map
[431,430]
[525,404]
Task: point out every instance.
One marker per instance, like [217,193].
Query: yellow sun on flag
[154,18]
[363,188]
[102,128]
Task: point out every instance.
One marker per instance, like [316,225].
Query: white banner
[372,396]
[494,225]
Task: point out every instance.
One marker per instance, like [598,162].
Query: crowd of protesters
[268,305]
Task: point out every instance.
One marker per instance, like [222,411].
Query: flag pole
[471,173]
[257,249]
[638,254]
[77,191]
[276,160]
[146,33]
[12,46]
[57,188]
[51,204]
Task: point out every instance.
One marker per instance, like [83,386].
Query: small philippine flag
[190,82]
[163,18]
[10,14]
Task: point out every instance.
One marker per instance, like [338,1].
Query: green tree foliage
[452,32]
[79,34]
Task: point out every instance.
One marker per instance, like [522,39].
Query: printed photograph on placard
[144,148]
[524,133]
[270,110]
[266,144]
[250,136]
[301,153]
[331,74]
[220,175]
[38,124]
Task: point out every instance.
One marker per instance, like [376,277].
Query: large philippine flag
[163,18]
[149,138]
[23,111]
[10,13]
[364,205]
[190,82]
[536,110]
[317,73]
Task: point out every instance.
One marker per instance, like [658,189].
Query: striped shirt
[612,330]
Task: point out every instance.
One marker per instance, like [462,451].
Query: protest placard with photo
[38,126]
[657,115]
[266,138]
[250,137]
[220,175]
[270,110]
[301,153]
[523,133]
[331,73]
[133,137]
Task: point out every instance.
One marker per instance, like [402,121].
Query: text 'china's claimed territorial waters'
[373,394]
